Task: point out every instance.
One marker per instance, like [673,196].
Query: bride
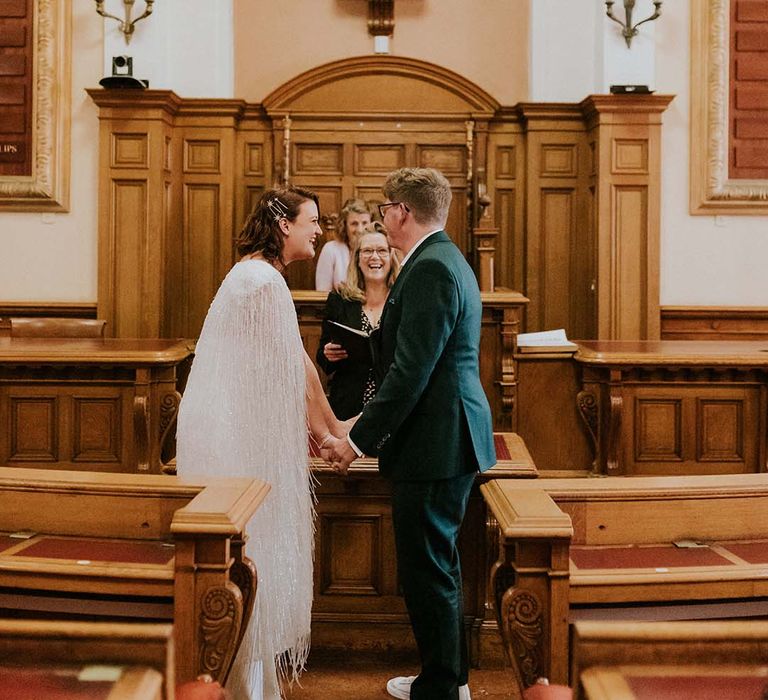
[251,394]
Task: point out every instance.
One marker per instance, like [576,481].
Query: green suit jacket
[430,418]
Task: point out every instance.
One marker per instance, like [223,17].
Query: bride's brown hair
[261,232]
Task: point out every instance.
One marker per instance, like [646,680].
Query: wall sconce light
[127,25]
[628,30]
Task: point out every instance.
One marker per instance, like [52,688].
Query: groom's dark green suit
[430,426]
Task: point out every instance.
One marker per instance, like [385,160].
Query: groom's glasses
[383,207]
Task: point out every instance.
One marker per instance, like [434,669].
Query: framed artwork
[35,89]
[721,86]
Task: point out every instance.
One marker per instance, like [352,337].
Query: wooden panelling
[42,309]
[558,160]
[572,190]
[658,430]
[630,156]
[201,244]
[130,151]
[33,422]
[97,428]
[202,156]
[129,234]
[547,413]
[714,323]
[628,276]
[554,252]
[254,159]
[375,159]
[720,430]
[317,159]
[351,559]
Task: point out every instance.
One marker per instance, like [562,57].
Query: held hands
[338,453]
[334,352]
[341,456]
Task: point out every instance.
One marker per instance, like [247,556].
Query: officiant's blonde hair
[353,288]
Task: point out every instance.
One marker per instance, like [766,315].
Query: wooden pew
[123,546]
[619,660]
[584,548]
[36,655]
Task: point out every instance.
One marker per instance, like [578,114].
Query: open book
[545,341]
[357,343]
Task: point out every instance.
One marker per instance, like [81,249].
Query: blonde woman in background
[333,260]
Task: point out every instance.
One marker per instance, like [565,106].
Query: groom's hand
[341,456]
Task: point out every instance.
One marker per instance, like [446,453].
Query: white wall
[706,260]
[574,51]
[52,257]
[184,45]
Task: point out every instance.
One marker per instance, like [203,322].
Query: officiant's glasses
[368,252]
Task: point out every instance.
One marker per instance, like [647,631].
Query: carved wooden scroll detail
[221,617]
[523,630]
[589,412]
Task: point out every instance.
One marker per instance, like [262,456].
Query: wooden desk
[97,405]
[133,546]
[357,602]
[675,406]
[502,317]
[569,548]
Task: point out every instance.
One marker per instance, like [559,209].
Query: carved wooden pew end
[121,546]
[648,547]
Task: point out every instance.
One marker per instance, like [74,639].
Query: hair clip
[278,209]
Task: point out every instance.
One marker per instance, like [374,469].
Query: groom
[429,424]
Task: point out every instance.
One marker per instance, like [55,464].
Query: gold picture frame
[47,188]
[712,191]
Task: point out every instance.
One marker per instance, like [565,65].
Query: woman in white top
[333,261]
[252,394]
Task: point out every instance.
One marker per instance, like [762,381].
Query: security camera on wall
[122,75]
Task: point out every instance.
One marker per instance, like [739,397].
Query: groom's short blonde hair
[425,191]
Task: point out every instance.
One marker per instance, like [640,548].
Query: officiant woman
[357,303]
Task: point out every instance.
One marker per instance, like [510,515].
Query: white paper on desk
[100,673]
[548,338]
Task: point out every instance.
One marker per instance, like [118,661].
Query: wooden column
[558,244]
[166,208]
[624,139]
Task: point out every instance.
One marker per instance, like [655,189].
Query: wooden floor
[363,676]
